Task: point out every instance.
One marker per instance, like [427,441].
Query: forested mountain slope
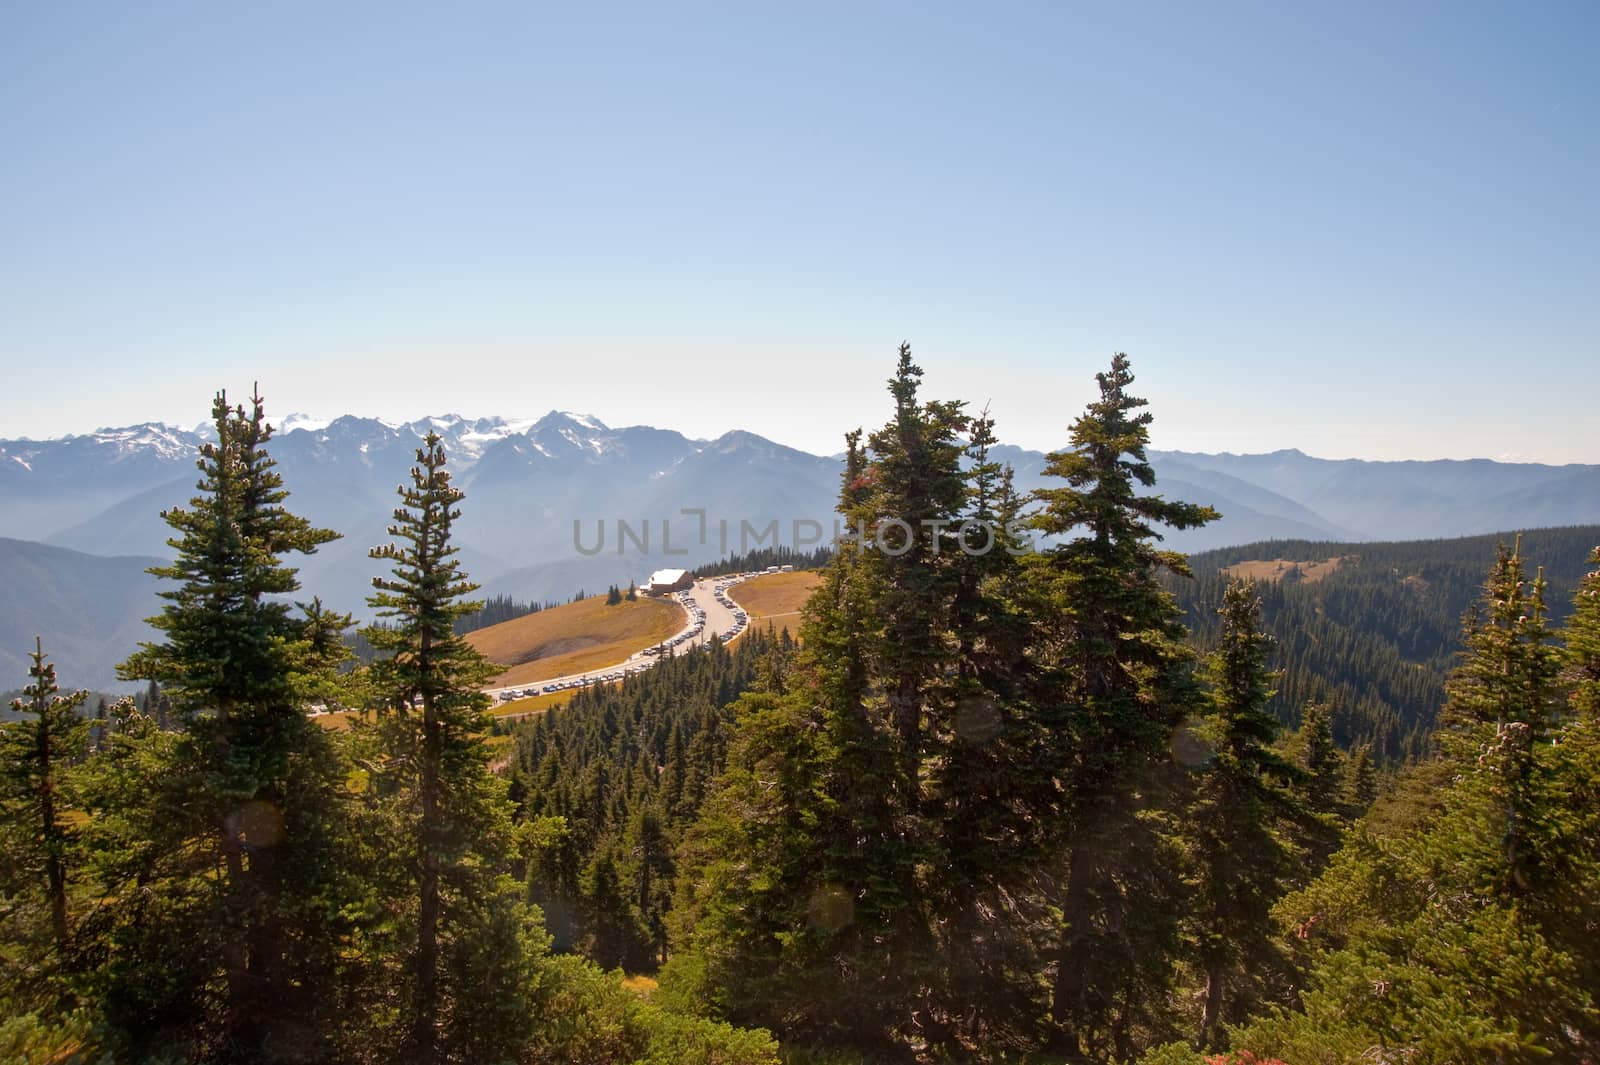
[1377,634]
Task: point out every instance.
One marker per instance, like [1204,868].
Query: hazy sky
[1360,230]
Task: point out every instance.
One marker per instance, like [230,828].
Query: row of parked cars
[598,678]
[720,590]
[580,682]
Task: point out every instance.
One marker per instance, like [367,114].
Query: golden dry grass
[1278,568]
[776,595]
[575,638]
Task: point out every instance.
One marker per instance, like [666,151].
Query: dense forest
[605,786]
[1095,802]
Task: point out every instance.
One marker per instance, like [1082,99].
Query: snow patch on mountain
[157,438]
[296,422]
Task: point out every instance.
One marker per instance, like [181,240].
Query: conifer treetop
[426,590]
[1508,669]
[42,694]
[230,639]
[1103,468]
[1581,660]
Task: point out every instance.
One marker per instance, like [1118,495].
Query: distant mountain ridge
[90,612]
[1413,499]
[543,492]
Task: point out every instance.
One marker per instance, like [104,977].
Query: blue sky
[1360,230]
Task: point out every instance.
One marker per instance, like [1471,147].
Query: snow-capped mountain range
[465,438]
[539,492]
[528,480]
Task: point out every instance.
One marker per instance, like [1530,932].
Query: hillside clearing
[575,638]
[1279,568]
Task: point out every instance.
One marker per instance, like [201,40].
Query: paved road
[720,618]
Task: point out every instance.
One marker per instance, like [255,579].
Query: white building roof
[667,576]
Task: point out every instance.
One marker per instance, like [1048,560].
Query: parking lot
[709,611]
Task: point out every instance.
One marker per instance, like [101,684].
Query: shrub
[591,1019]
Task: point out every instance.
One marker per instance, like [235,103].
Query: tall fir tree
[248,844]
[1581,657]
[649,857]
[1321,786]
[916,499]
[37,751]
[466,969]
[913,501]
[986,799]
[877,741]
[1321,758]
[1501,700]
[1118,669]
[1240,858]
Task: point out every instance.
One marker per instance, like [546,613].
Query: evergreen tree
[614,936]
[1500,702]
[555,866]
[1321,759]
[1240,859]
[917,484]
[237,893]
[1320,786]
[1508,669]
[450,815]
[987,799]
[1118,681]
[1581,659]
[839,763]
[1361,780]
[36,752]
[649,857]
